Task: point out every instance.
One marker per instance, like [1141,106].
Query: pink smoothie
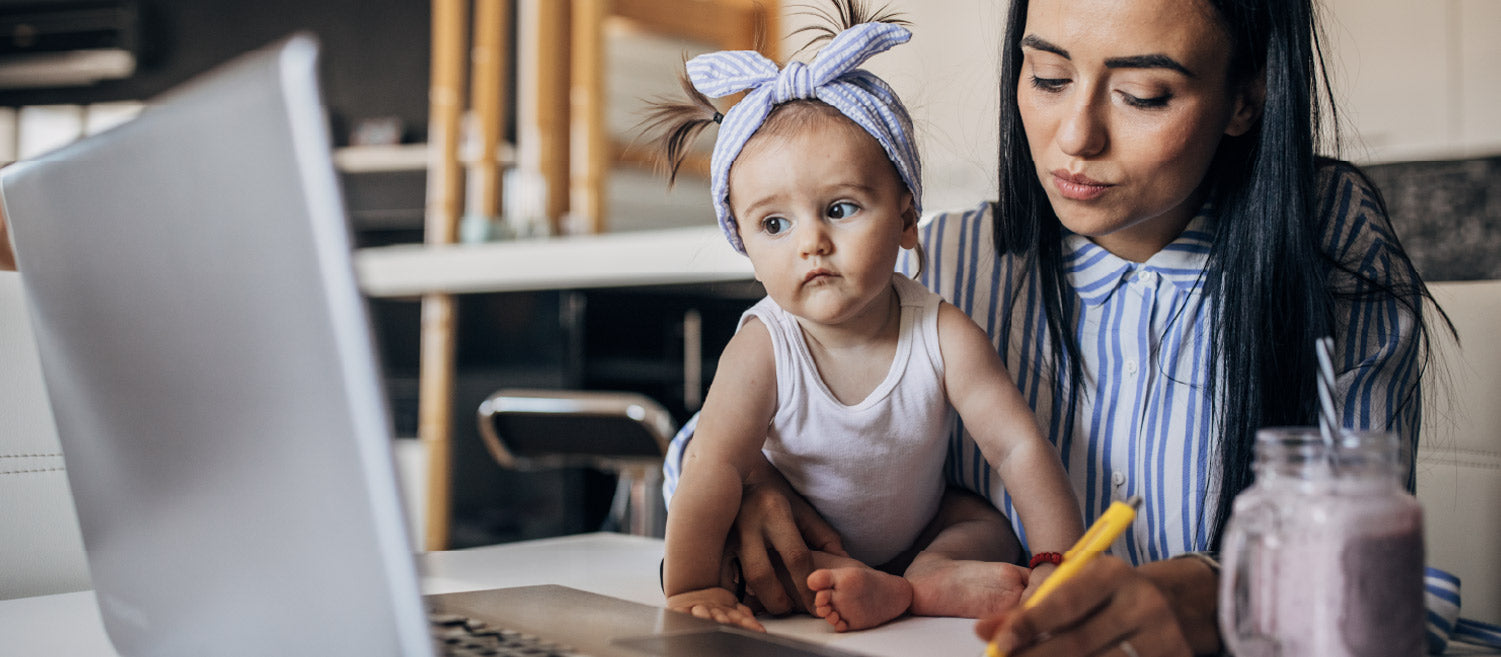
[1345,579]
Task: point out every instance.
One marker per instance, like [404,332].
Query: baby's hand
[716,604]
[1035,578]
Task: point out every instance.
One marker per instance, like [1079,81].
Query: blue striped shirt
[1142,423]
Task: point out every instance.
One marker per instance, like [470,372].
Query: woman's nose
[1082,132]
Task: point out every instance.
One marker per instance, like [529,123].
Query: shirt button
[1131,366]
[1118,478]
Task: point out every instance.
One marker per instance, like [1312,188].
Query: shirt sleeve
[672,464]
[962,266]
[1378,312]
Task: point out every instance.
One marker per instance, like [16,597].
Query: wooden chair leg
[444,189]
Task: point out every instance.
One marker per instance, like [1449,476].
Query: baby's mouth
[817,274]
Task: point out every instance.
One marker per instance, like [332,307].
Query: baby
[845,376]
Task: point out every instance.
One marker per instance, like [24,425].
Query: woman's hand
[774,537]
[1165,608]
[715,604]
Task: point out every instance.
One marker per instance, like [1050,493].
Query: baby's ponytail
[672,124]
[841,16]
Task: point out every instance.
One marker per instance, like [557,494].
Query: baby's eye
[775,225]
[842,209]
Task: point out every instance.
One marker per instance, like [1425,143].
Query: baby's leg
[853,596]
[966,569]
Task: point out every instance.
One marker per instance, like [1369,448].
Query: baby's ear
[909,222]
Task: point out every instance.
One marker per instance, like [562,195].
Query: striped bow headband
[831,77]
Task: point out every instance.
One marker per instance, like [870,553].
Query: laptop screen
[209,362]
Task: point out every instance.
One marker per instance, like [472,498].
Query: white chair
[41,550]
[1459,457]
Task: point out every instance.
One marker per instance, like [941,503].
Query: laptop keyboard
[458,636]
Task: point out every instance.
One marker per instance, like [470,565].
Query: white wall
[1417,79]
[947,76]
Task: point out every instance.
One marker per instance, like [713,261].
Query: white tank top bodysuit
[873,469]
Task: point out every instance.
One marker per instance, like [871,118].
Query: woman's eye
[775,225]
[1155,102]
[842,210]
[1048,84]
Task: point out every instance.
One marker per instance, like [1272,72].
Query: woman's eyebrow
[1148,61]
[1038,43]
[1156,60]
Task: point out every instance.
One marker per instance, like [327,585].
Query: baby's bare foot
[856,598]
[967,589]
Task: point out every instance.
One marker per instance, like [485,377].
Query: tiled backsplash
[1447,214]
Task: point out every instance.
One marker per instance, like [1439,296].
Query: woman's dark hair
[1266,269]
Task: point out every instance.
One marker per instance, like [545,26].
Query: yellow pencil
[1101,534]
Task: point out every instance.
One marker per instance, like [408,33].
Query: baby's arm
[727,443]
[1006,430]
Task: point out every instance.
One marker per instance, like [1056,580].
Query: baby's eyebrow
[855,186]
[752,209]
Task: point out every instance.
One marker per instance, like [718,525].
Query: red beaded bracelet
[1054,558]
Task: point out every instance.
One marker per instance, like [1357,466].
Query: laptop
[217,396]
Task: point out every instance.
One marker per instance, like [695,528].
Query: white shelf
[651,257]
[397,157]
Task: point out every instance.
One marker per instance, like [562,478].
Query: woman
[1164,252]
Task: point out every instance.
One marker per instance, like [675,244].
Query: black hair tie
[718,118]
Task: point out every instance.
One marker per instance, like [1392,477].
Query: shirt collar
[1096,273]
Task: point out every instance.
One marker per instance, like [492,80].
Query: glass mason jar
[1323,555]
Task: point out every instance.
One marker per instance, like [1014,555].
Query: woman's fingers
[796,558]
[816,532]
[778,532]
[760,574]
[763,517]
[986,627]
[1053,625]
[1106,604]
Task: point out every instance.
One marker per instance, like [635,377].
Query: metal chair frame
[637,507]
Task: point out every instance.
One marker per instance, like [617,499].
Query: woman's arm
[1380,349]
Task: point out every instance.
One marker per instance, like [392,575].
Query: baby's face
[823,215]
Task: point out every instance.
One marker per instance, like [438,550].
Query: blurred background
[1415,81]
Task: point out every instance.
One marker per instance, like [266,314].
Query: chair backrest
[43,550]
[557,428]
[1459,456]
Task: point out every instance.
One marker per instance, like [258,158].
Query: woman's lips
[1078,187]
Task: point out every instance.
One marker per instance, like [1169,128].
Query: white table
[611,564]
